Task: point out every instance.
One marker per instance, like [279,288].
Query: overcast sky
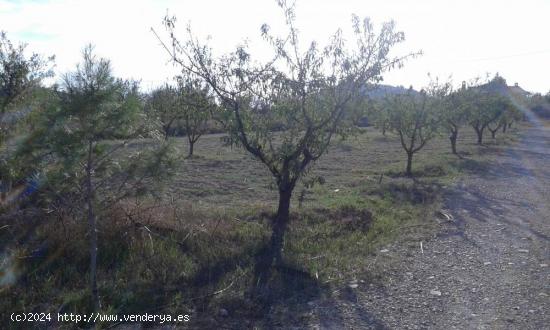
[465,39]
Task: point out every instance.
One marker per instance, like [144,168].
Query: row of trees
[189,104]
[307,93]
[284,112]
[417,117]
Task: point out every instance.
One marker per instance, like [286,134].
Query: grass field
[194,249]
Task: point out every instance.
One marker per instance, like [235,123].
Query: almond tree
[454,111]
[302,92]
[195,105]
[487,103]
[486,109]
[413,116]
[380,116]
[511,115]
[508,112]
[162,104]
[496,125]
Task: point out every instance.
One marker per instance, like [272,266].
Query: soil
[487,268]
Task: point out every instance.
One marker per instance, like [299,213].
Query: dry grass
[204,233]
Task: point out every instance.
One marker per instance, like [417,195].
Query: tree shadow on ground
[487,169]
[469,202]
[415,191]
[293,298]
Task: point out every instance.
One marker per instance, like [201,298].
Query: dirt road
[487,269]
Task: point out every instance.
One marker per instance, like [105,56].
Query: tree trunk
[409,164]
[92,226]
[479,133]
[493,133]
[453,138]
[280,224]
[504,128]
[191,148]
[384,130]
[273,253]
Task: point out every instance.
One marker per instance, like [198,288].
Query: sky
[460,40]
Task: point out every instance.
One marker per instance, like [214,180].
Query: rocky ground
[486,269]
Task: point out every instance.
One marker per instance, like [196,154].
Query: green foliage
[486,108]
[540,105]
[487,103]
[415,118]
[77,133]
[379,115]
[196,107]
[162,105]
[19,74]
[20,78]
[186,108]
[454,106]
[306,93]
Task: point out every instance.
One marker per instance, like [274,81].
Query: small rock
[523,250]
[353,285]
[384,251]
[431,277]
[544,265]
[435,293]
[510,263]
[486,263]
[223,312]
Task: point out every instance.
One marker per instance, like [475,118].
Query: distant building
[516,90]
[498,85]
